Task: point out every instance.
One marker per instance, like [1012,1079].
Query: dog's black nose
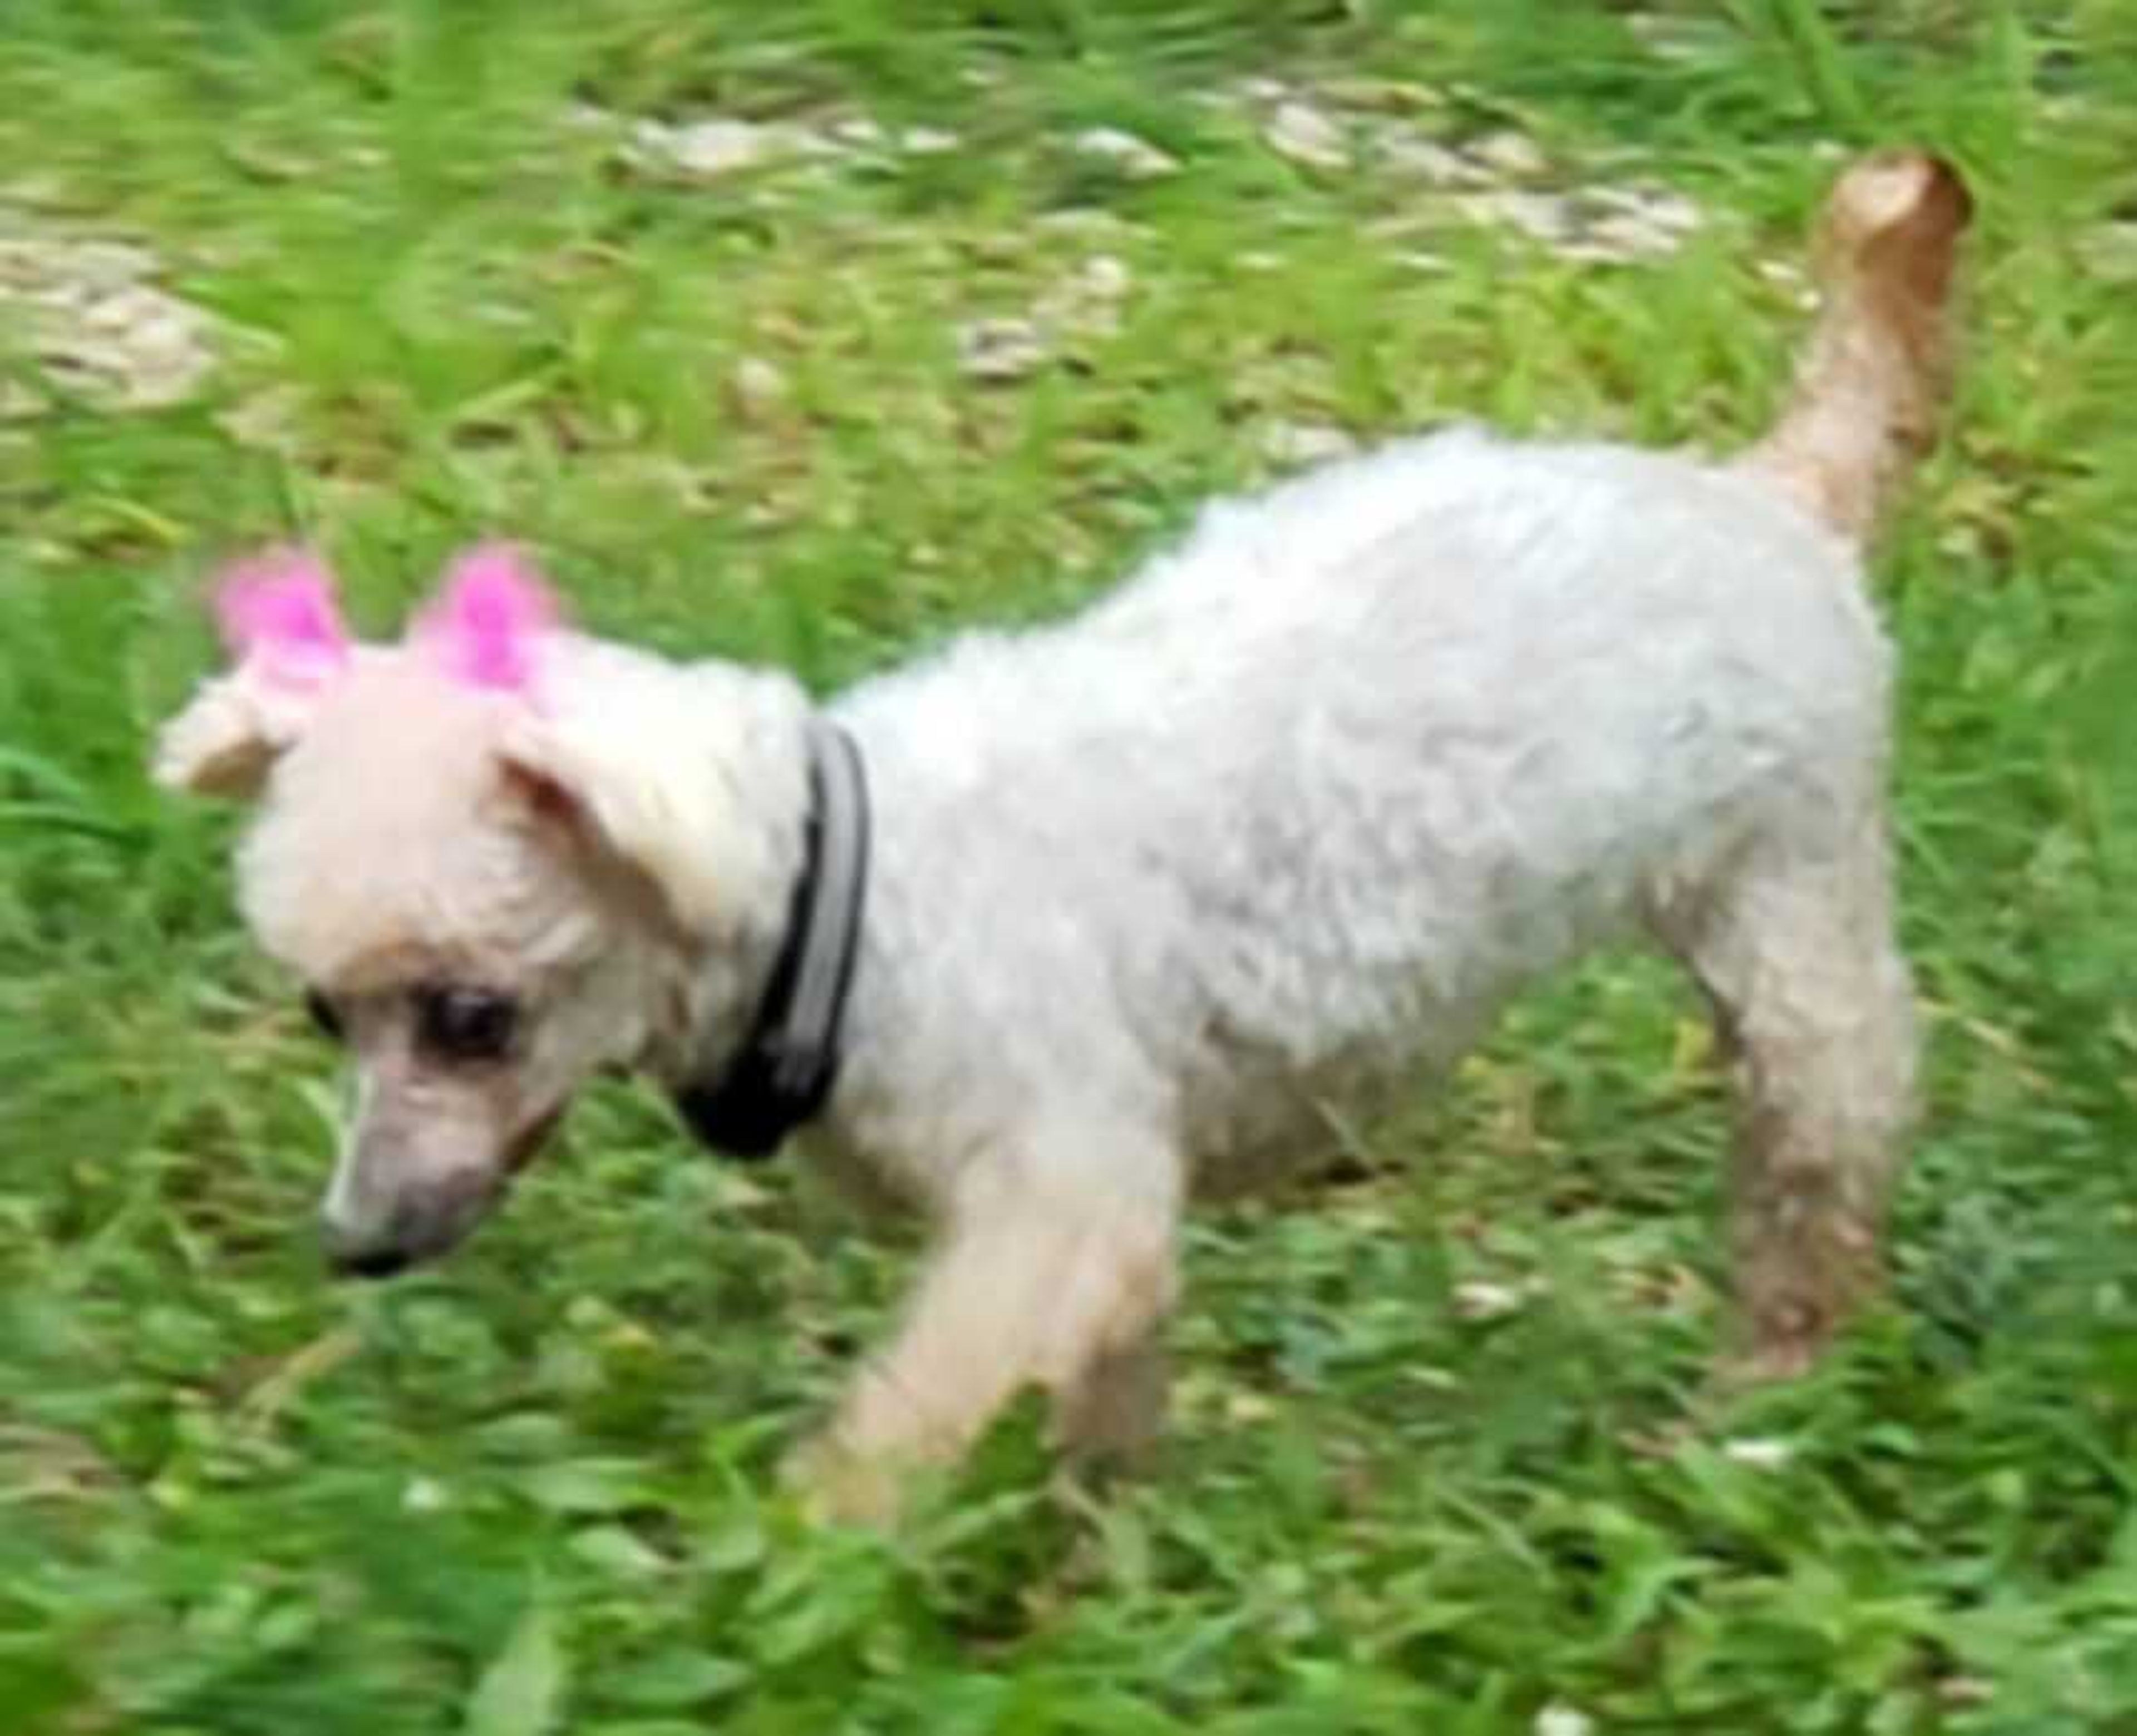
[374,1263]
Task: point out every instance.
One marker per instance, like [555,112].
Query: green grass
[532,1491]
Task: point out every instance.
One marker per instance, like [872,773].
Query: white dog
[1050,932]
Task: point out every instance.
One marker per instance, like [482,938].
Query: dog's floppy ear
[279,621]
[670,772]
[580,752]
[608,787]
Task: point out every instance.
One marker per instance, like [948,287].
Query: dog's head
[498,856]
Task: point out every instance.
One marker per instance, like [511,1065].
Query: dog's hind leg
[1796,952]
[1113,1412]
[1045,1276]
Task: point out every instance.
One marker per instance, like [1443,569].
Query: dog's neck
[744,1097]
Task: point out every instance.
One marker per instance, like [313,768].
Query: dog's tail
[1871,387]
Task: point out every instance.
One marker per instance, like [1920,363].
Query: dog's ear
[604,790]
[279,621]
[601,768]
[670,772]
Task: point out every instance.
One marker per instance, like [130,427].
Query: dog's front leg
[1045,1279]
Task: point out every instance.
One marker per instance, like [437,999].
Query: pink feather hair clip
[278,616]
[486,625]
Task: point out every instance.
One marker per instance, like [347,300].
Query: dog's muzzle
[378,1263]
[378,1233]
[409,1242]
[421,1224]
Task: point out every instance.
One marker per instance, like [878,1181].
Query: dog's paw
[835,1486]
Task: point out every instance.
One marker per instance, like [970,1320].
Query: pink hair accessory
[278,613]
[487,622]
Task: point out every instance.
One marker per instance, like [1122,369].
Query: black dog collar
[789,1060]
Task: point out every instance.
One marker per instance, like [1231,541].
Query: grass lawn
[1426,1475]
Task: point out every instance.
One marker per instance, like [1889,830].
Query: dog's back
[1366,752]
[1362,756]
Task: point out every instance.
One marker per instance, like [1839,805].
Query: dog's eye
[465,1024]
[320,1010]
